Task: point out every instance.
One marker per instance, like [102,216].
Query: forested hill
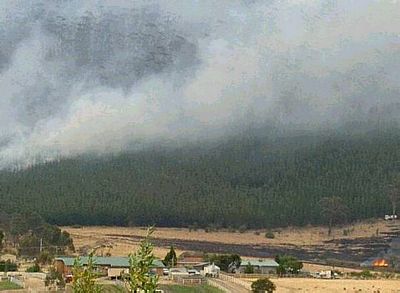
[254,180]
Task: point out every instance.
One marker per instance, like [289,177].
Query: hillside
[257,179]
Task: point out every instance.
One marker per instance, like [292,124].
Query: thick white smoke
[104,76]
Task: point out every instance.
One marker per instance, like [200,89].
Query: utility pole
[41,245]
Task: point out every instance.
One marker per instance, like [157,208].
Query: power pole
[41,245]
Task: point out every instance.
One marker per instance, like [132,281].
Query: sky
[91,76]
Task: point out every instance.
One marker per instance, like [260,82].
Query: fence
[235,280]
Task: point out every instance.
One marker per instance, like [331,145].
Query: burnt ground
[349,252]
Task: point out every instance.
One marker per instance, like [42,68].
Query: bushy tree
[54,278]
[170,259]
[34,269]
[140,264]
[249,269]
[288,264]
[263,285]
[84,276]
[226,262]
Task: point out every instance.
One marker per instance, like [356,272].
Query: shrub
[256,233]
[33,269]
[366,274]
[54,278]
[7,266]
[269,235]
[231,229]
[263,285]
[242,229]
[249,269]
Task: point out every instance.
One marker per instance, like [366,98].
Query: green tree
[140,264]
[333,210]
[34,269]
[288,264]
[249,269]
[226,262]
[84,276]
[263,285]
[170,259]
[54,278]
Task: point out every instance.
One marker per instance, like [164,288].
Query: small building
[260,266]
[212,271]
[112,267]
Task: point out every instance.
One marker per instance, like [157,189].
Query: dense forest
[258,178]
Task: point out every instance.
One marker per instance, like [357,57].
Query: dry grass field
[125,239]
[288,285]
[350,240]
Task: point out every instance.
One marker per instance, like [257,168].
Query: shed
[260,266]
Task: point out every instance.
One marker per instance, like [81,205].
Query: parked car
[193,272]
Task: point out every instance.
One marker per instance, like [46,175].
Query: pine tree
[170,259]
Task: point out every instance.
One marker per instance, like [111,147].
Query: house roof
[260,262]
[113,261]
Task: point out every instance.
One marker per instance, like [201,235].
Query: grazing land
[287,285]
[6,285]
[347,244]
[191,289]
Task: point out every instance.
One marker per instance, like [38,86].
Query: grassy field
[124,240]
[187,289]
[112,289]
[168,289]
[6,285]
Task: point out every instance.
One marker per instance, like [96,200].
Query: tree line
[32,236]
[256,179]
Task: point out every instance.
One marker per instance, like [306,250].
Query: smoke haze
[79,76]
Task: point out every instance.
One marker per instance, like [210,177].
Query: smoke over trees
[79,77]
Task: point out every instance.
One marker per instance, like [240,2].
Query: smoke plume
[80,76]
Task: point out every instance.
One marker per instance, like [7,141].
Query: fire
[380,263]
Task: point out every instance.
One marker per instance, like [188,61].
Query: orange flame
[380,263]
